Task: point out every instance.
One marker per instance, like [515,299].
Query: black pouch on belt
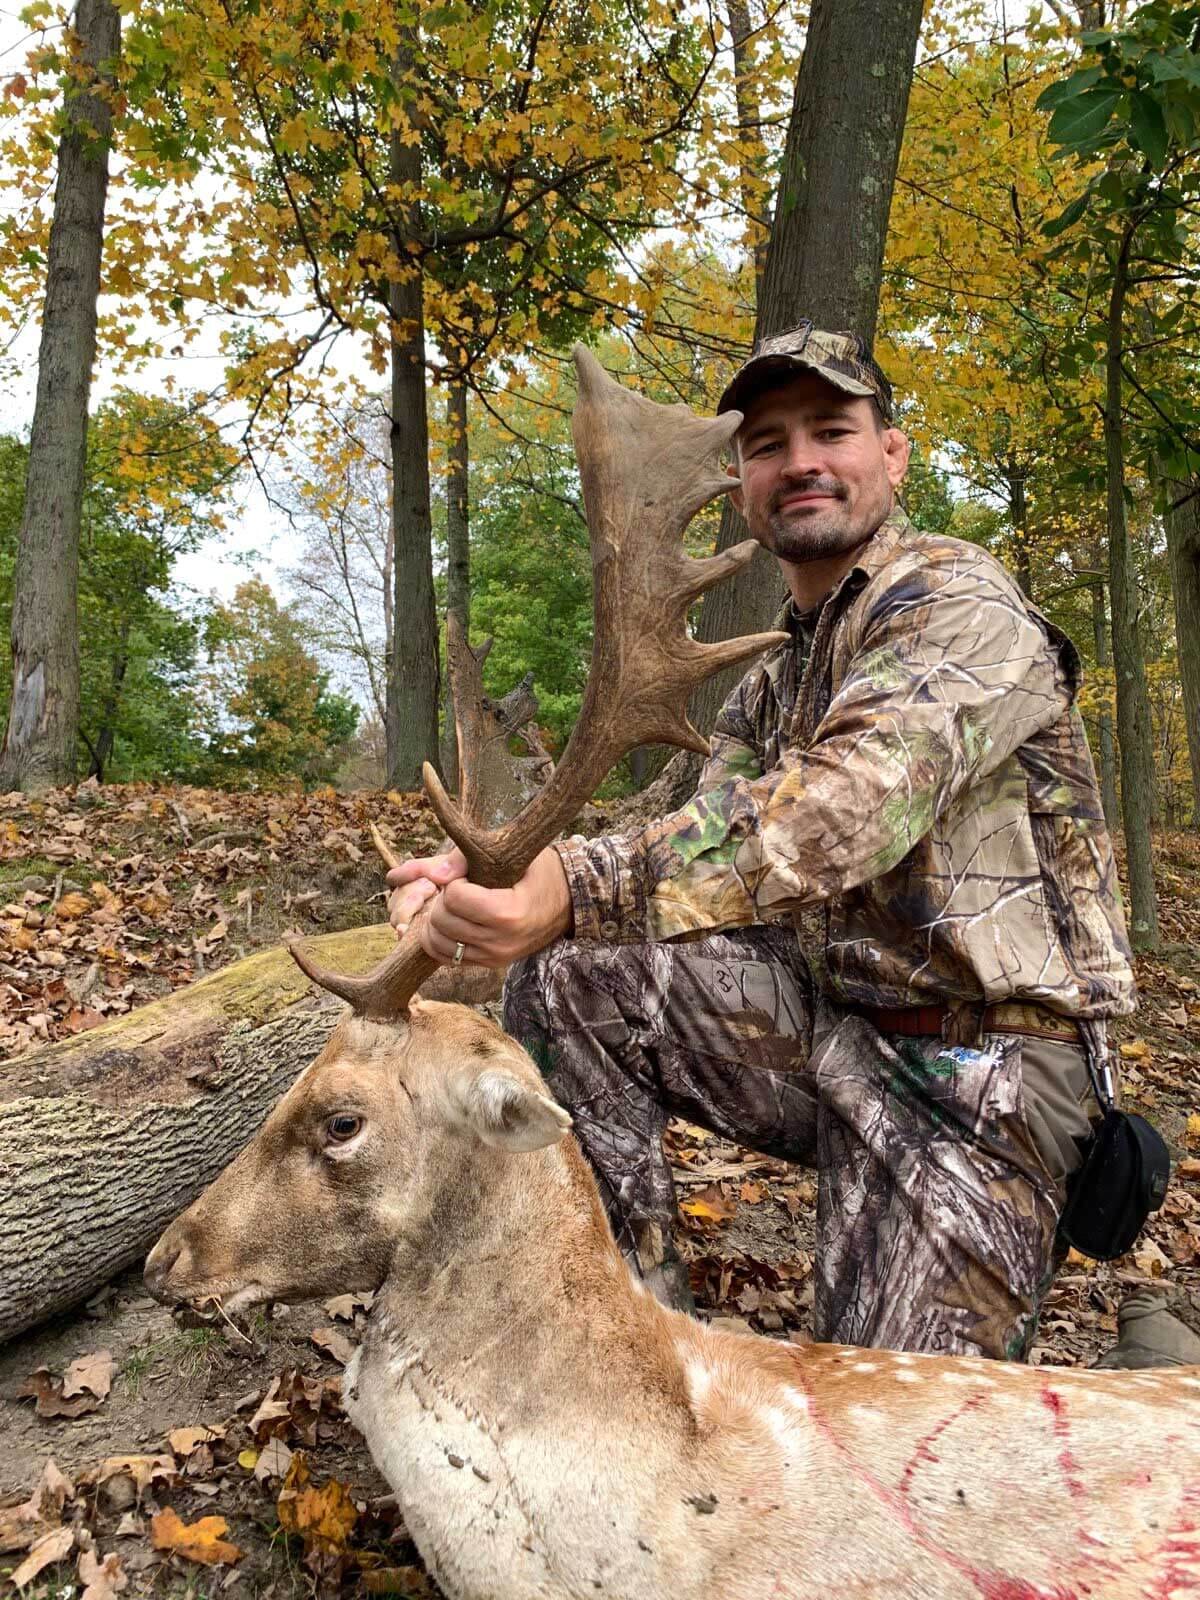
[1124,1172]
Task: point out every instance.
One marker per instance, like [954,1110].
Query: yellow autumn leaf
[200,1541]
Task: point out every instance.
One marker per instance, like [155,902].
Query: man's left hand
[498,926]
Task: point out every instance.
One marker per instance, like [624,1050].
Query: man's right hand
[417,881]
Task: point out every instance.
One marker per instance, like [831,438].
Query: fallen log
[107,1136]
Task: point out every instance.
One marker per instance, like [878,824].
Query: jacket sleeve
[950,676]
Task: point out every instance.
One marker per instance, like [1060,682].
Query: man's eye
[342,1127]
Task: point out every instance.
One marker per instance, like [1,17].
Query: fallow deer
[549,1429]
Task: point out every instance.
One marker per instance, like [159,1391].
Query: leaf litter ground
[144,1458]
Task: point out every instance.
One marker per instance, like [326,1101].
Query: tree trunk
[43,715]
[825,256]
[1018,512]
[412,728]
[103,747]
[107,1136]
[1108,749]
[752,149]
[458,551]
[1135,736]
[1183,545]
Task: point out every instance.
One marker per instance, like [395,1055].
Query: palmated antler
[646,469]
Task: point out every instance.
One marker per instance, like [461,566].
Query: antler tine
[646,470]
[383,848]
[382,994]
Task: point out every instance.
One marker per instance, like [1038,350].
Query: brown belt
[1011,1016]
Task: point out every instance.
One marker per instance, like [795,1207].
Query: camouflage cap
[842,359]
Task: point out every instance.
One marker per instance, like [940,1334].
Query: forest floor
[196,1462]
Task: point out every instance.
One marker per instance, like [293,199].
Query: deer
[550,1431]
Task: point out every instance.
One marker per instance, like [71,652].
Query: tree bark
[1108,750]
[825,255]
[752,147]
[1183,545]
[107,1136]
[43,714]
[107,737]
[1018,512]
[458,551]
[1135,735]
[412,724]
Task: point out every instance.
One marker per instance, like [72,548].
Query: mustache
[810,485]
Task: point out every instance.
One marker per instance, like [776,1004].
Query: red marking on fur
[990,1585]
[1062,1432]
[924,1454]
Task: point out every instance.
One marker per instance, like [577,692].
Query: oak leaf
[708,1205]
[93,1373]
[199,1541]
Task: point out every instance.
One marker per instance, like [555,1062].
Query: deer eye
[342,1127]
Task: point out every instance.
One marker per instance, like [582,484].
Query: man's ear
[733,469]
[503,1112]
[896,451]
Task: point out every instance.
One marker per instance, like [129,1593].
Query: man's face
[818,471]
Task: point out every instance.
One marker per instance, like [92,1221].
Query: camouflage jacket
[923,776]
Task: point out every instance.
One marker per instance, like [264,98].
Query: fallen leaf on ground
[43,1387]
[410,1582]
[130,1526]
[102,1580]
[343,1306]
[333,1343]
[273,1461]
[53,1546]
[1150,1259]
[1188,1168]
[196,1541]
[1193,1131]
[323,1516]
[93,1373]
[708,1205]
[141,1469]
[1136,1050]
[184,1440]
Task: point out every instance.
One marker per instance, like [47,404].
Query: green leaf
[1149,127]
[1066,218]
[1081,120]
[1067,88]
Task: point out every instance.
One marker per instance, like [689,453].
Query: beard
[815,535]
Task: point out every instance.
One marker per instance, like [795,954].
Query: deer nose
[167,1254]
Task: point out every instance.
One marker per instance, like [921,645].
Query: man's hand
[495,926]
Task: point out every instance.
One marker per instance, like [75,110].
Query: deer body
[549,1430]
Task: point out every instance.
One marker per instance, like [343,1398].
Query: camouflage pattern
[842,359]
[935,1212]
[920,775]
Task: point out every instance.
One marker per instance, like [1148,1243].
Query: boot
[1153,1332]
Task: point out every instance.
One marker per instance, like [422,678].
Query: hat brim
[744,386]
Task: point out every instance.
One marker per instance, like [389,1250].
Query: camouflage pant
[935,1213]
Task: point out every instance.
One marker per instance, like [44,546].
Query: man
[906,782]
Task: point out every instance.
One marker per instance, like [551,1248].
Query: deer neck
[514,1259]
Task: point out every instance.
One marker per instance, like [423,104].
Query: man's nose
[802,457]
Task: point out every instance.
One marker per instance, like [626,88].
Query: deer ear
[503,1112]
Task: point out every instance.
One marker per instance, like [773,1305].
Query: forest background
[383,232]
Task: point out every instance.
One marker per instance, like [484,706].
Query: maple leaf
[320,1516]
[184,1440]
[201,1541]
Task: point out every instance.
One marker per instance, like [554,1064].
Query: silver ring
[458,952]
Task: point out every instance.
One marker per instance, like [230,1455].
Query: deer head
[337,1169]
[356,1157]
